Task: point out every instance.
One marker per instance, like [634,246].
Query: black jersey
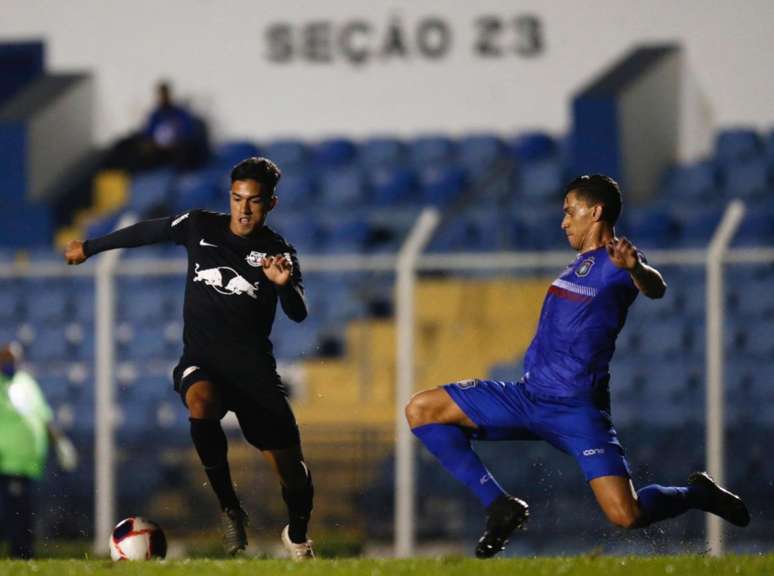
[229,303]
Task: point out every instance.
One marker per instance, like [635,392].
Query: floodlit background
[480,110]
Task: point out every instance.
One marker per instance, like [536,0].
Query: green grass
[454,566]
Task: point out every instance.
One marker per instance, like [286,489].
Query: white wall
[215,52]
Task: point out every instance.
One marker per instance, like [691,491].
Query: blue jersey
[583,312]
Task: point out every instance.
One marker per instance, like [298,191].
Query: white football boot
[298,552]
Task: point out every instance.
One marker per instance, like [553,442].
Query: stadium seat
[296,190]
[533,146]
[382,153]
[747,178]
[541,180]
[49,305]
[692,181]
[473,231]
[142,303]
[758,339]
[664,338]
[432,151]
[151,190]
[303,232]
[737,144]
[198,189]
[293,343]
[227,154]
[10,301]
[480,153]
[757,228]
[697,225]
[346,235]
[752,299]
[442,186]
[393,186]
[289,155]
[49,344]
[334,153]
[342,187]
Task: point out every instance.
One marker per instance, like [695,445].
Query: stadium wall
[268,69]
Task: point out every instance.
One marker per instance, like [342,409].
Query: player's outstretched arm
[647,279]
[140,234]
[279,269]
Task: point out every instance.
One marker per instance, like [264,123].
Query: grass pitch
[570,566]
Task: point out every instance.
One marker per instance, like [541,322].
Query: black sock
[299,503]
[210,442]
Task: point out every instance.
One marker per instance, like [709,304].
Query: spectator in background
[25,430]
[171,136]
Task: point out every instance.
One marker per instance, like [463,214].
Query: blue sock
[661,502]
[452,447]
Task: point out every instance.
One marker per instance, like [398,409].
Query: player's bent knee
[202,403]
[623,518]
[419,410]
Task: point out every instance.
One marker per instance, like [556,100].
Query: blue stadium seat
[147,342]
[651,227]
[334,300]
[51,304]
[10,301]
[752,298]
[227,154]
[432,151]
[334,153]
[697,225]
[142,303]
[541,180]
[303,231]
[757,228]
[533,146]
[198,189]
[394,186]
[103,225]
[759,339]
[664,338]
[342,187]
[346,235]
[290,155]
[382,152]
[442,186]
[48,345]
[748,178]
[692,181]
[540,228]
[151,190]
[736,144]
[296,190]
[473,231]
[479,153]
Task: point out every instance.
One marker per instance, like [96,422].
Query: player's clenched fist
[74,252]
[623,253]
[278,269]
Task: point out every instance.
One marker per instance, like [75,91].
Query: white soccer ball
[136,538]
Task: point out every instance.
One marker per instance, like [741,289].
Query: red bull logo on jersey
[255,259]
[225,280]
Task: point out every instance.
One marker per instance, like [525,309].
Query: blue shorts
[507,411]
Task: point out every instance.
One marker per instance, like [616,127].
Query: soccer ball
[136,538]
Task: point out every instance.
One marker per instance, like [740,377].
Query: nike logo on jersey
[202,242]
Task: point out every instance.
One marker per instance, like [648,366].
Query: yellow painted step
[111,191]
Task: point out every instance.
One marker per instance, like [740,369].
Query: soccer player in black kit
[238,269]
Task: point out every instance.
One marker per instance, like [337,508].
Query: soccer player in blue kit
[564,396]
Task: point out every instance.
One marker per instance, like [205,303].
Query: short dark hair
[260,169]
[599,189]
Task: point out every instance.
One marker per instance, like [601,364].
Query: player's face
[578,219]
[248,209]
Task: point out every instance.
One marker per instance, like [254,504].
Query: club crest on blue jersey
[585,267]
[255,259]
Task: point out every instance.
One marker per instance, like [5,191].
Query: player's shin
[451,446]
[661,502]
[298,496]
[211,445]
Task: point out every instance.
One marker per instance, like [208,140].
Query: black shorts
[260,404]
